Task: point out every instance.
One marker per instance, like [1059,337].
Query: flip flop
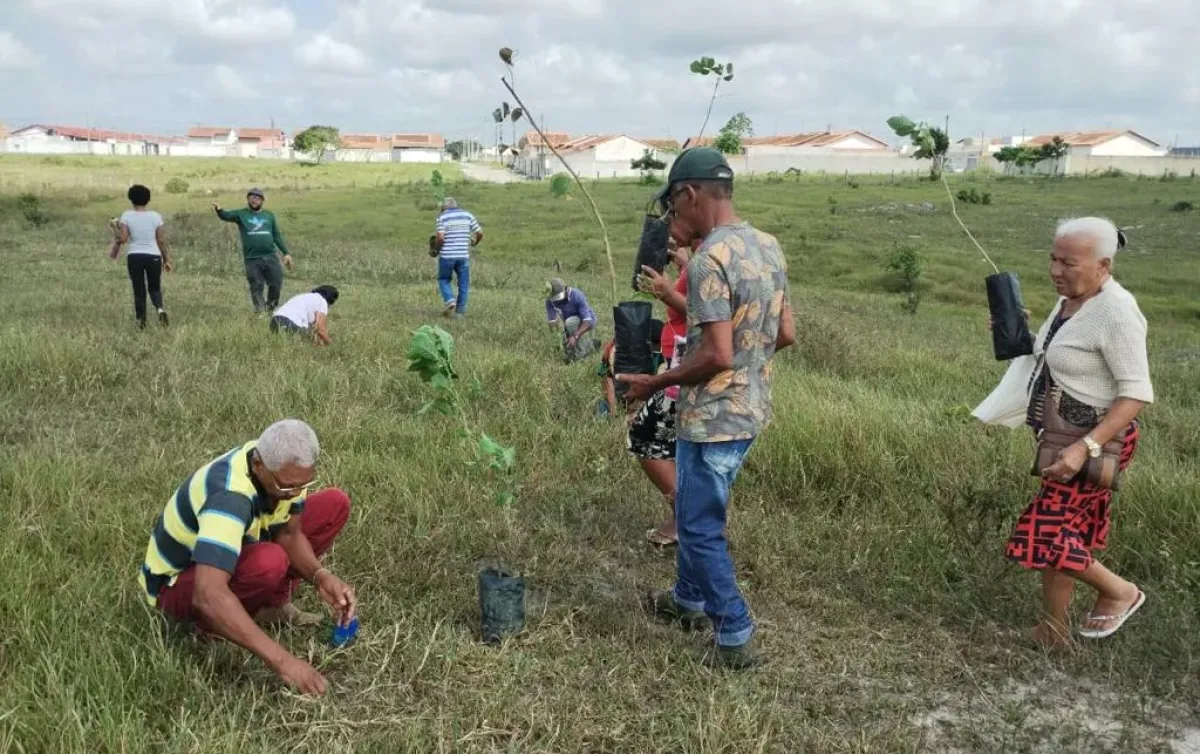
[658,539]
[1088,633]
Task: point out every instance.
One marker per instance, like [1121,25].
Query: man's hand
[288,263]
[167,267]
[301,676]
[992,324]
[216,207]
[338,595]
[1070,460]
[653,283]
[572,341]
[639,385]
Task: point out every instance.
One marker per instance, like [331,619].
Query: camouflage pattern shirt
[739,275]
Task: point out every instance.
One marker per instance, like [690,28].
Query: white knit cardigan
[1099,354]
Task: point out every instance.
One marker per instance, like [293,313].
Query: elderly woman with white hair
[1090,383]
[236,538]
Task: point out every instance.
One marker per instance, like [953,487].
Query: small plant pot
[1010,330]
[501,604]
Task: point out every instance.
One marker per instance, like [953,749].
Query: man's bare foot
[1109,610]
[285,615]
[1049,636]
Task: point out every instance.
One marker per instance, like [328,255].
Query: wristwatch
[1092,446]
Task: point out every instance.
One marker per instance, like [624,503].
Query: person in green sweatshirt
[260,238]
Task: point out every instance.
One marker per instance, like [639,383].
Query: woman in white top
[148,255]
[307,313]
[1092,368]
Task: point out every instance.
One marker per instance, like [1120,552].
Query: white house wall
[417,155]
[1126,146]
[857,142]
[620,149]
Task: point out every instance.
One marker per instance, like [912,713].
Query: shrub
[32,210]
[906,262]
[1182,207]
[177,186]
[974,196]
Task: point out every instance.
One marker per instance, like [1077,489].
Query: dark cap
[695,164]
[556,290]
[700,164]
[255,192]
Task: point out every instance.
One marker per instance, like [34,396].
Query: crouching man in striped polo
[237,536]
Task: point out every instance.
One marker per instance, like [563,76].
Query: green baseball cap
[696,164]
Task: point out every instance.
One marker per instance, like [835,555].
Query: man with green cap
[739,315]
[260,238]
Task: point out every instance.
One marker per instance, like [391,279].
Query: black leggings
[145,272]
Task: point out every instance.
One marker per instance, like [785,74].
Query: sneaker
[162,317]
[141,323]
[448,308]
[742,657]
[285,615]
[664,607]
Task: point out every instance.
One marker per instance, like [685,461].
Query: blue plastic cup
[343,635]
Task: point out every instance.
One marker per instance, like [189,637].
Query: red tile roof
[80,133]
[418,141]
[1086,138]
[532,139]
[807,139]
[664,144]
[207,132]
[367,141]
[261,134]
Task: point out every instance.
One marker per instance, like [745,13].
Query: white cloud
[14,55]
[622,65]
[231,84]
[326,54]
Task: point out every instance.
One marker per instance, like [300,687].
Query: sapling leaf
[504,106]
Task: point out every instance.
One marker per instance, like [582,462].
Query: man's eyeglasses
[290,490]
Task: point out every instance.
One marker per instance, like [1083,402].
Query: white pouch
[1009,402]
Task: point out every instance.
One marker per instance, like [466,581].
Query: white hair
[288,442]
[449,203]
[1100,230]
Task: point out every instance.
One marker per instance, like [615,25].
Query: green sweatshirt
[260,231]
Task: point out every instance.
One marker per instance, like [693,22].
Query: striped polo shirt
[458,225]
[213,513]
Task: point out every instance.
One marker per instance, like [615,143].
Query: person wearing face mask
[238,536]
[261,238]
[1092,377]
[738,315]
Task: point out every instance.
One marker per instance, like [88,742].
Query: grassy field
[868,525]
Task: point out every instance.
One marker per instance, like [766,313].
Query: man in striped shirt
[234,539]
[457,232]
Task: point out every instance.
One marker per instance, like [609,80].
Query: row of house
[216,141]
[610,155]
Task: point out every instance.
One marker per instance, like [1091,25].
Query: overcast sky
[604,66]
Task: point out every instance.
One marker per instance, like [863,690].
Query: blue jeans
[460,268]
[704,472]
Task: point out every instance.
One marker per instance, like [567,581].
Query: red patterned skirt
[1065,522]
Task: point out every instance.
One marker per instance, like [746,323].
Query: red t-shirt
[676,323]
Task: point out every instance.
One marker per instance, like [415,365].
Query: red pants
[263,576]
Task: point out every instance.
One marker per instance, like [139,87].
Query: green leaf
[510,457]
[560,185]
[489,447]
[901,125]
[505,499]
[504,107]
[697,67]
[729,77]
[729,70]
[516,114]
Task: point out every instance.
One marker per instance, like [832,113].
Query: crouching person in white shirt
[307,313]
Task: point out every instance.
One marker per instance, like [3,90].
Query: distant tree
[929,142]
[315,140]
[729,138]
[649,165]
[722,71]
[457,149]
[1026,156]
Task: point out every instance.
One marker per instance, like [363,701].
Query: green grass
[868,525]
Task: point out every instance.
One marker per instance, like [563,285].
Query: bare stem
[612,270]
[708,115]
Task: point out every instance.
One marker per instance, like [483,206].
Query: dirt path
[489,174]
